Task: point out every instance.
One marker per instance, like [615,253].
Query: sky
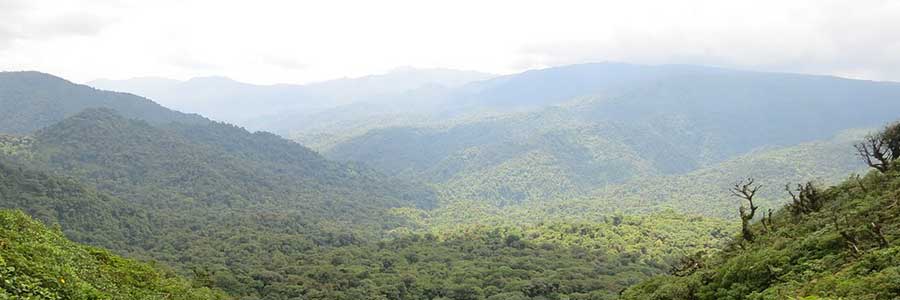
[304,41]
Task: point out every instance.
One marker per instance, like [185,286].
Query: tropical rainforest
[596,181]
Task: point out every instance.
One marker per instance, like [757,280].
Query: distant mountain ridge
[224,99]
[33,100]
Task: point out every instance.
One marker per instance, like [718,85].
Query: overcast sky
[301,41]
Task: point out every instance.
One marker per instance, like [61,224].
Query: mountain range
[672,121]
[224,99]
[572,182]
[582,131]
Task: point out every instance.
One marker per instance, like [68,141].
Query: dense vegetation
[701,191]
[261,217]
[568,258]
[212,165]
[183,194]
[607,126]
[560,260]
[40,263]
[527,254]
[33,100]
[565,202]
[88,216]
[835,243]
[581,164]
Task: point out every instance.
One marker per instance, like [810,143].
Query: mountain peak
[31,76]
[33,100]
[211,79]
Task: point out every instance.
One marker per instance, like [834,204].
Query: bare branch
[746,189]
[879,150]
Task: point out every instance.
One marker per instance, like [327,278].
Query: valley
[594,181]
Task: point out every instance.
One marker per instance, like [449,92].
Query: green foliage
[89,216]
[848,249]
[11,145]
[704,191]
[216,164]
[559,260]
[630,136]
[209,196]
[281,249]
[504,161]
[39,263]
[260,217]
[523,253]
[549,157]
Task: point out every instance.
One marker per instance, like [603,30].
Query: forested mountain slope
[650,121]
[254,253]
[40,263]
[253,250]
[33,100]
[701,191]
[209,196]
[839,242]
[87,216]
[534,205]
[216,165]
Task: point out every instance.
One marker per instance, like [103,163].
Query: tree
[891,135]
[745,190]
[806,200]
[879,150]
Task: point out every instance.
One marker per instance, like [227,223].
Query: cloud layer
[853,39]
[22,21]
[301,41]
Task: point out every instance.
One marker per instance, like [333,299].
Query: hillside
[701,191]
[254,249]
[577,200]
[33,100]
[40,263]
[845,246]
[589,164]
[177,193]
[649,122]
[87,216]
[218,165]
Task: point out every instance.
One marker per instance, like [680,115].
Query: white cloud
[854,39]
[21,21]
[301,41]
[70,24]
[10,13]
